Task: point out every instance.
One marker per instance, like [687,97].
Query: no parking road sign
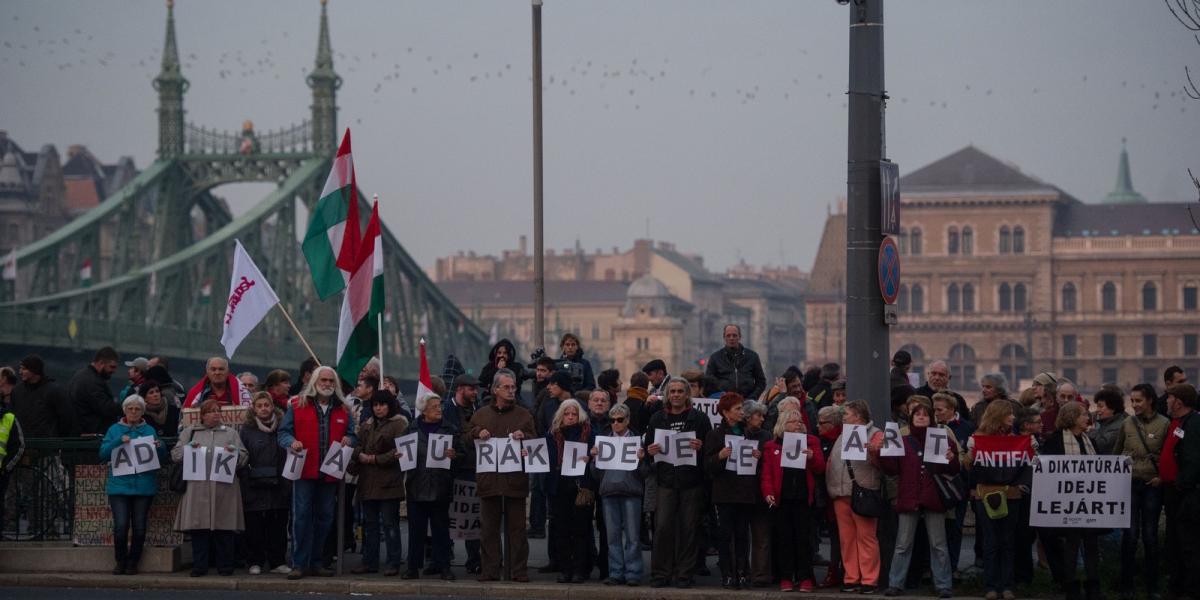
[889,270]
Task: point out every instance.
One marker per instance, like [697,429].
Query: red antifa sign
[235,297]
[998,459]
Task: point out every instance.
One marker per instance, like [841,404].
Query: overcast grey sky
[722,123]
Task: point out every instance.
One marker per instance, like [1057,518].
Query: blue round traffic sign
[889,270]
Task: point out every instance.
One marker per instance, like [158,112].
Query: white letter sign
[223,464]
[794,445]
[336,460]
[937,441]
[406,451]
[437,451]
[854,442]
[194,468]
[537,459]
[293,467]
[893,444]
[574,459]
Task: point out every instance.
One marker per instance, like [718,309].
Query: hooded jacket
[489,370]
[95,409]
[589,379]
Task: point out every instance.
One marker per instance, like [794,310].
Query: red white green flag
[424,381]
[332,239]
[85,273]
[358,327]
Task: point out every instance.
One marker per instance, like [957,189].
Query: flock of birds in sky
[626,85]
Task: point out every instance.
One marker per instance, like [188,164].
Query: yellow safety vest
[6,423]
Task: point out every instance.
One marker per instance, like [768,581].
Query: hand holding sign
[439,451]
[893,444]
[336,460]
[293,467]
[937,442]
[145,454]
[575,455]
[406,451]
[194,467]
[616,453]
[223,464]
[509,451]
[854,442]
[537,455]
[794,447]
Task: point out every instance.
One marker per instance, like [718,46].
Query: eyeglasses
[507,387]
[824,422]
[619,420]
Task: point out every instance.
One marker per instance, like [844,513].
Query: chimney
[522,244]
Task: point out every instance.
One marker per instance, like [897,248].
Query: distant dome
[647,286]
[10,170]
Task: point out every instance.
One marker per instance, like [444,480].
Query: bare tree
[1187,12]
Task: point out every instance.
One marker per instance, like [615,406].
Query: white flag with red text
[250,299]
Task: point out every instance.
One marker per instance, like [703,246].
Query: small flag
[206,291]
[85,273]
[424,382]
[250,299]
[10,266]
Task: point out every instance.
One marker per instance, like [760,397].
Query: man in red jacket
[314,420]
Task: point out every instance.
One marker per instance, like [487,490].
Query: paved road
[105,594]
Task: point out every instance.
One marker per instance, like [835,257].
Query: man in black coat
[937,379]
[95,408]
[40,403]
[736,367]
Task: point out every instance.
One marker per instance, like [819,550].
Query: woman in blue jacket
[130,495]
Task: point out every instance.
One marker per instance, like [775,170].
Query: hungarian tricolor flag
[424,382]
[332,239]
[85,273]
[358,328]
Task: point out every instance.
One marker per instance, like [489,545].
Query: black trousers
[791,520]
[212,546]
[601,553]
[265,538]
[574,536]
[733,539]
[677,512]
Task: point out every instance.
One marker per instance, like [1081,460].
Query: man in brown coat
[502,495]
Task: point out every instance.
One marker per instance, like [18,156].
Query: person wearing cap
[137,375]
[40,404]
[736,367]
[937,381]
[160,414]
[95,407]
[1179,470]
[901,362]
[837,391]
[656,370]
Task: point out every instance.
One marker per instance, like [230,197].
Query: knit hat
[158,374]
[466,379]
[654,365]
[562,379]
[902,358]
[33,363]
[1045,378]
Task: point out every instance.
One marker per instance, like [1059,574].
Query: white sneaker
[255,570]
[282,570]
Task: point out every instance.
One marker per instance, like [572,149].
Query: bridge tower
[171,86]
[324,83]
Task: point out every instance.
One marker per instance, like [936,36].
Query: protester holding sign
[733,493]
[266,495]
[998,460]
[130,495]
[789,493]
[430,487]
[315,420]
[852,470]
[679,486]
[211,509]
[1070,438]
[572,495]
[621,500]
[376,460]
[502,494]
[829,430]
[917,498]
[1141,439]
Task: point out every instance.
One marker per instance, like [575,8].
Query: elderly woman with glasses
[621,499]
[130,495]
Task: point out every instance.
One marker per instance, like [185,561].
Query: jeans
[312,514]
[998,544]
[935,529]
[435,515]
[389,511]
[1146,503]
[127,510]
[733,539]
[265,538]
[791,519]
[216,545]
[676,545]
[954,534]
[623,518]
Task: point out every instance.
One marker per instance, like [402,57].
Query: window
[1069,343]
[1149,344]
[1189,299]
[952,298]
[1108,344]
[1013,364]
[952,241]
[968,241]
[1005,298]
[643,343]
[1018,240]
[1149,297]
[1193,373]
[1019,298]
[1005,240]
[595,331]
[1189,344]
[1070,374]
[903,241]
[1068,298]
[914,241]
[917,301]
[1149,374]
[902,298]
[1108,297]
[968,298]
[1108,375]
[962,366]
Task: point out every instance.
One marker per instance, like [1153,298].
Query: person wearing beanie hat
[42,405]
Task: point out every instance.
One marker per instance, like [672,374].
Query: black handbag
[175,481]
[865,502]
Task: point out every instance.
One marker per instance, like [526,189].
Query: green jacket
[1129,443]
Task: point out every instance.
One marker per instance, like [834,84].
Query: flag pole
[380,317]
[298,334]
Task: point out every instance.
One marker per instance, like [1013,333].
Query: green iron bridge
[158,276]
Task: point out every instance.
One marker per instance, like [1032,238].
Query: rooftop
[466,294]
[1075,219]
[970,169]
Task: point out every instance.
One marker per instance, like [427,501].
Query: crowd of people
[891,520]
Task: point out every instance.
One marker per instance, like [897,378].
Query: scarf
[1071,443]
[638,393]
[834,433]
[159,414]
[233,393]
[267,426]
[585,431]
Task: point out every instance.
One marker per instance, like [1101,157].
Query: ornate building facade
[1003,272]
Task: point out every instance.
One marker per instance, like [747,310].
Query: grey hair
[310,390]
[556,424]
[619,410]
[789,401]
[209,361]
[423,401]
[998,381]
[833,413]
[245,373]
[753,407]
[503,373]
[133,399]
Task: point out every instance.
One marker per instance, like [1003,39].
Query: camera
[572,368]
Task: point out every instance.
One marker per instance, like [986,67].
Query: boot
[833,577]
[1092,587]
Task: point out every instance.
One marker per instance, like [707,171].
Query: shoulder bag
[865,502]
